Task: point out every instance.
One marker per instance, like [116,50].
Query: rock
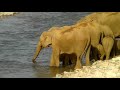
[7,13]
[58,75]
[99,69]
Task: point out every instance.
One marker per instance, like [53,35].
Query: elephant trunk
[38,49]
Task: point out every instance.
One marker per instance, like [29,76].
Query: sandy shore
[7,13]
[99,69]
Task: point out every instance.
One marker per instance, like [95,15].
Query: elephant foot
[88,64]
[101,60]
[78,67]
[54,65]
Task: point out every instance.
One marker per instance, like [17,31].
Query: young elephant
[101,52]
[65,41]
[107,42]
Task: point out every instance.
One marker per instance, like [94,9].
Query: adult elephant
[96,32]
[110,19]
[68,40]
[96,39]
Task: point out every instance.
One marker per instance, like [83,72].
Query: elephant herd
[93,37]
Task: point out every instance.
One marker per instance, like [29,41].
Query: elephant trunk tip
[33,60]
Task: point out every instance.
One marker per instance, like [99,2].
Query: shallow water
[19,35]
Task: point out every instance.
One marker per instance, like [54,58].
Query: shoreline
[2,14]
[99,69]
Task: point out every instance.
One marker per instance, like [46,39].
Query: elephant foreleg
[56,57]
[52,61]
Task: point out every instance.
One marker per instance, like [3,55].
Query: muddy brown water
[19,35]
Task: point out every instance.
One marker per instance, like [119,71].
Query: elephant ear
[47,35]
[48,39]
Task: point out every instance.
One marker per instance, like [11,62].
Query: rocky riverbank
[7,13]
[99,69]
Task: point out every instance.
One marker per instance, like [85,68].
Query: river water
[19,35]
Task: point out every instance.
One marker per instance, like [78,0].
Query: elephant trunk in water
[38,49]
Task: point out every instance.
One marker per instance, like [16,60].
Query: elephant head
[44,41]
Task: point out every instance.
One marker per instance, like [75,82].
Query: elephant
[70,40]
[104,48]
[110,19]
[96,38]
[101,52]
[117,46]
[96,35]
[68,59]
[107,42]
[94,24]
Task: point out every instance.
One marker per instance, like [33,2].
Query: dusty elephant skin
[97,33]
[104,49]
[62,41]
[111,19]
[101,52]
[111,22]
[107,42]
[99,27]
[103,28]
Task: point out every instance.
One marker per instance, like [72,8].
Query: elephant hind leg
[88,56]
[108,43]
[102,57]
[78,62]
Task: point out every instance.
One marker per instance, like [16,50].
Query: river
[19,35]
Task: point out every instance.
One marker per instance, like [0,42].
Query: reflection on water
[19,35]
[51,71]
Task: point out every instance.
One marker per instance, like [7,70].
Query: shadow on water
[19,35]
[47,72]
